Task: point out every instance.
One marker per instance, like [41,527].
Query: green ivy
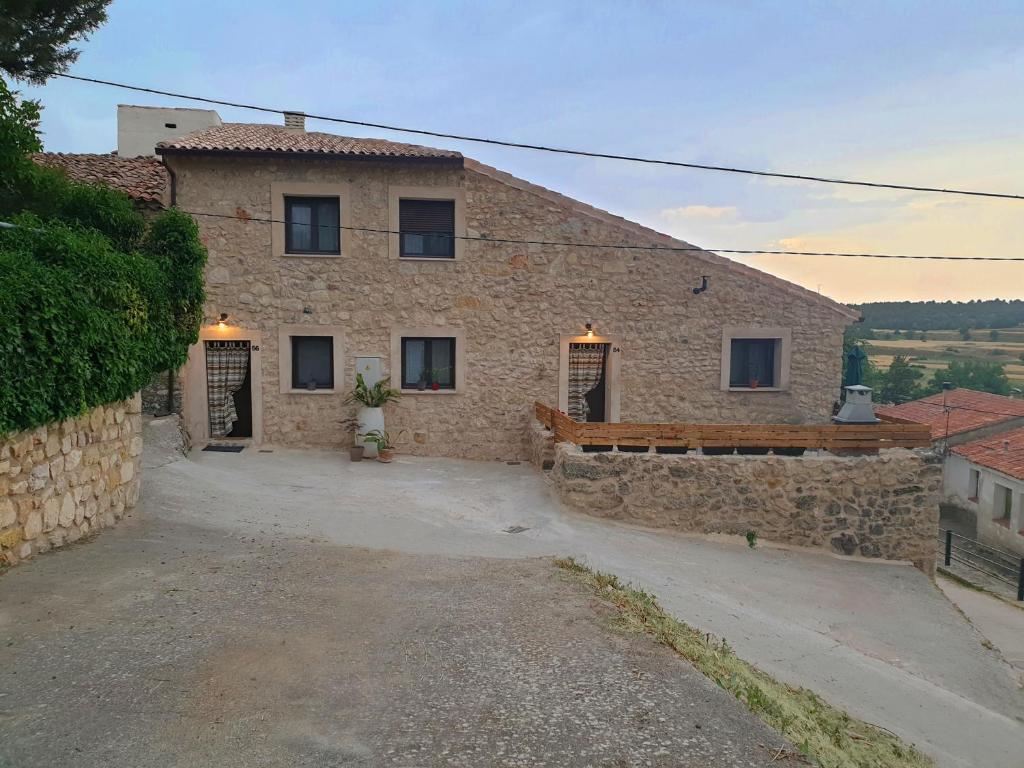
[93,302]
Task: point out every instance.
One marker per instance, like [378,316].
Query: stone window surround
[398,193]
[613,384]
[280,189]
[433,332]
[284,347]
[783,354]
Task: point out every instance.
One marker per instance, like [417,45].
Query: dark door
[588,382]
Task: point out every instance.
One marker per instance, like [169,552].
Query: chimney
[296,120]
[858,408]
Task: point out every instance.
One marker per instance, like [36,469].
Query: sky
[920,92]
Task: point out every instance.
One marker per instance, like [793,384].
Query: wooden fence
[831,437]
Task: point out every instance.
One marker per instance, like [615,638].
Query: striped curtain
[586,364]
[227,364]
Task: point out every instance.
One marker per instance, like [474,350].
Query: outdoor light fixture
[703,285]
[590,330]
[223,321]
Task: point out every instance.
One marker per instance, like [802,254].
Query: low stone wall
[70,478]
[884,505]
[540,446]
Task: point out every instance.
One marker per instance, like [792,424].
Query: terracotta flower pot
[355,453]
[384,455]
[435,386]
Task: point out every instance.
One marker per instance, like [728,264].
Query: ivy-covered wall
[93,300]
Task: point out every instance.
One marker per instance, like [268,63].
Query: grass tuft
[826,735]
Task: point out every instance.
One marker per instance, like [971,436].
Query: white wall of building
[988,504]
[139,129]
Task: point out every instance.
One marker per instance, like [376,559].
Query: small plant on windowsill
[436,374]
[754,383]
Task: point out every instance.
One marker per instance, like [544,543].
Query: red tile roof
[1003,452]
[970,410]
[277,139]
[143,178]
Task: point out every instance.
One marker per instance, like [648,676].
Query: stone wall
[884,505]
[513,302]
[540,446]
[154,395]
[68,479]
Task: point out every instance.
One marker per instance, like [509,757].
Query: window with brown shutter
[427,228]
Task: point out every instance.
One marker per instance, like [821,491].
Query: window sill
[756,389]
[289,255]
[973,499]
[428,391]
[1002,522]
[442,259]
[311,392]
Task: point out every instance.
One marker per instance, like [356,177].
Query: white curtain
[586,365]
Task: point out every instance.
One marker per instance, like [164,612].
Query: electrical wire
[554,150]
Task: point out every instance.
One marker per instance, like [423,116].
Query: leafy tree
[993,335]
[972,374]
[965,333]
[943,315]
[35,35]
[899,383]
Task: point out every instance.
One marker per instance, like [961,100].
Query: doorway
[588,381]
[229,388]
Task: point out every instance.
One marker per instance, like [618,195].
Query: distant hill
[942,315]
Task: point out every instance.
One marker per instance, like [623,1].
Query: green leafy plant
[377,396]
[381,438]
[752,539]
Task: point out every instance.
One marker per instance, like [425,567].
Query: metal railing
[1002,566]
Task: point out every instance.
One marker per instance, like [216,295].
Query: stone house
[330,255]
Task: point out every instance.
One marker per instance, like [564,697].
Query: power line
[616,246]
[554,150]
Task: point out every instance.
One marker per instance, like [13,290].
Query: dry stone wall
[68,479]
[513,302]
[884,505]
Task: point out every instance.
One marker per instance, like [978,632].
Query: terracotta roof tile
[1003,452]
[143,178]
[276,139]
[972,410]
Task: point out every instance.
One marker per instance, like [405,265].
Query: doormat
[224,448]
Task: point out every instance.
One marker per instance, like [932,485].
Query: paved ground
[1000,621]
[167,644]
[879,640]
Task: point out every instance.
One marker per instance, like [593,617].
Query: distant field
[941,347]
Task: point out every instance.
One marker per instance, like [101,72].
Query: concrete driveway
[877,639]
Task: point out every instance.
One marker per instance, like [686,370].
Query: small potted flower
[755,382]
[385,445]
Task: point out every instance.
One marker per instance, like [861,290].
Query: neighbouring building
[329,255]
[982,436]
[959,415]
[986,478]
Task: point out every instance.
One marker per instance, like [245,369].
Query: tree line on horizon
[942,315]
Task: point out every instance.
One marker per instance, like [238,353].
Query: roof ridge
[620,221]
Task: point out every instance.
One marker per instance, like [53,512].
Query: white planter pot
[369,420]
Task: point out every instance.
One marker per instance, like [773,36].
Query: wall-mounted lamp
[590,330]
[222,322]
[703,285]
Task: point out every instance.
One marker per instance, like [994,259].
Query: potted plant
[355,451]
[371,412]
[754,382]
[435,375]
[384,444]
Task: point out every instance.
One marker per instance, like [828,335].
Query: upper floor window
[427,228]
[753,363]
[312,225]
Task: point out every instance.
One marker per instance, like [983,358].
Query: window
[428,362]
[753,363]
[427,228]
[312,362]
[974,485]
[1002,505]
[311,225]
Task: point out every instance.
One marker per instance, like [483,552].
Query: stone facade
[68,479]
[154,395]
[884,505]
[513,301]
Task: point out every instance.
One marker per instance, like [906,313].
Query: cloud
[700,212]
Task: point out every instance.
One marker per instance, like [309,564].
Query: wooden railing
[831,437]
